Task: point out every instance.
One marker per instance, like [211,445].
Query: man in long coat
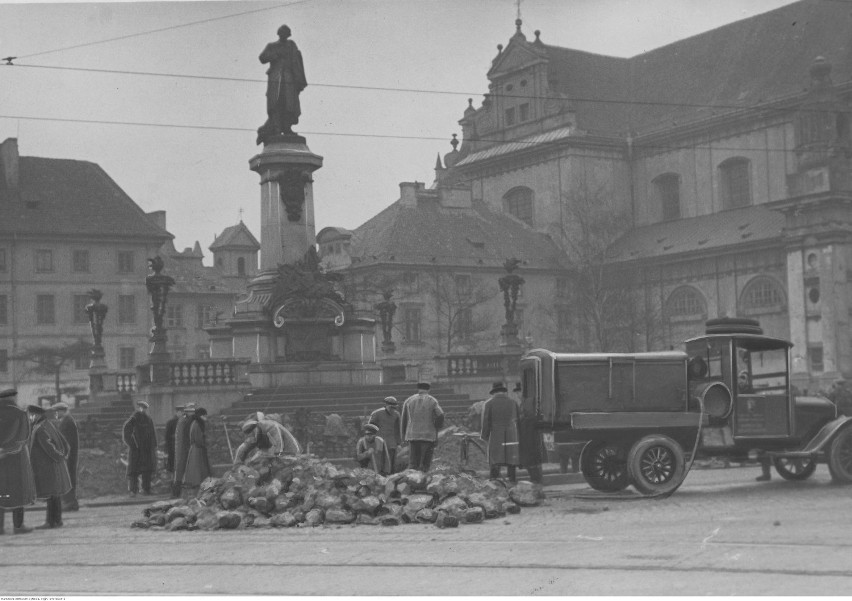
[421,420]
[69,431]
[171,426]
[197,460]
[181,447]
[48,454]
[388,421]
[17,487]
[531,450]
[140,436]
[500,429]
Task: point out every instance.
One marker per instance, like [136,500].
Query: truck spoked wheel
[840,457]
[795,468]
[656,465]
[604,466]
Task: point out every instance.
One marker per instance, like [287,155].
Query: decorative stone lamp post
[387,309]
[158,286]
[97,312]
[510,285]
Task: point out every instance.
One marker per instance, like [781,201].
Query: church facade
[713,175]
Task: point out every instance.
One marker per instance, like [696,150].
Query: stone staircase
[346,401]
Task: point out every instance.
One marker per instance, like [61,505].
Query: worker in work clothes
[500,429]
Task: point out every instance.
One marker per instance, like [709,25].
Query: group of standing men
[36,462]
[186,449]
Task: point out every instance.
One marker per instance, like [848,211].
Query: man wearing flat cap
[500,429]
[17,487]
[68,429]
[48,454]
[140,436]
[388,421]
[421,420]
[371,452]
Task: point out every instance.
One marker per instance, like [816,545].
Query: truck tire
[656,465]
[795,468]
[840,457]
[604,466]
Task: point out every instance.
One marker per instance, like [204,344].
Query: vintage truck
[645,417]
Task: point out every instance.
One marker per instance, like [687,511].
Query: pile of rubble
[305,491]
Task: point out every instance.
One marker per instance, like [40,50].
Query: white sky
[201,176]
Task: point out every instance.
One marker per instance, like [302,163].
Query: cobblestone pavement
[721,533]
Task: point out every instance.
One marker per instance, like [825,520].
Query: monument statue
[510,285]
[387,309]
[286,79]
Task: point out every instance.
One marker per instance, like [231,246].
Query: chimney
[408,194]
[9,160]
[158,217]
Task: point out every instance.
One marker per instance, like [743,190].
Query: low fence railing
[194,372]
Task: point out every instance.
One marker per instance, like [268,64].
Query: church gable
[516,57]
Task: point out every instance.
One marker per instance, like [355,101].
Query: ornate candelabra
[510,285]
[386,310]
[158,286]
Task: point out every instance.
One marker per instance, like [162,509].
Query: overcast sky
[182,144]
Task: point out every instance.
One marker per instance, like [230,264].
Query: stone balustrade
[125,381]
[459,366]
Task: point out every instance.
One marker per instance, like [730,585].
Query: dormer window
[735,182]
[510,116]
[667,187]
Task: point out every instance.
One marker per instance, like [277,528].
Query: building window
[44,261]
[206,315]
[735,183]
[81,362]
[3,267]
[686,303]
[241,266]
[4,310]
[411,323]
[202,351]
[524,112]
[126,357]
[815,358]
[463,286]
[126,309]
[79,307]
[519,203]
[80,261]
[174,316]
[45,309]
[761,295]
[464,324]
[668,195]
[510,117]
[125,261]
[409,281]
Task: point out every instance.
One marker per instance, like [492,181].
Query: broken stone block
[158,519]
[325,500]
[389,520]
[367,505]
[283,520]
[339,516]
[228,520]
[140,524]
[366,520]
[454,506]
[474,515]
[435,485]
[181,511]
[525,494]
[426,516]
[262,522]
[207,520]
[231,498]
[178,523]
[418,502]
[512,508]
[314,517]
[444,520]
[161,506]
[260,504]
[416,480]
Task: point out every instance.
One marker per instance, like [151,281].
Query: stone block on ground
[339,516]
[444,520]
[228,520]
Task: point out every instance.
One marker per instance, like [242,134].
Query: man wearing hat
[48,454]
[422,418]
[500,429]
[140,436]
[182,447]
[68,429]
[17,487]
[171,427]
[387,420]
[371,451]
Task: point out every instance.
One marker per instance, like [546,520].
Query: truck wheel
[604,466]
[656,465]
[840,457]
[797,468]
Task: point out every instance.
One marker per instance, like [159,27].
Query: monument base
[327,373]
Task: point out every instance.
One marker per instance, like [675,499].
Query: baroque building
[710,177]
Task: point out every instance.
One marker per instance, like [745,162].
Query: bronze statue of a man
[286,79]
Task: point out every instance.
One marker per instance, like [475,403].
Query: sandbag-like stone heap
[273,492]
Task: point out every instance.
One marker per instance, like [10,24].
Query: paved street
[722,533]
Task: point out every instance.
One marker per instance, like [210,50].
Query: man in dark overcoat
[531,450]
[421,420]
[388,421]
[17,487]
[500,429]
[140,436]
[68,429]
[171,427]
[182,448]
[49,455]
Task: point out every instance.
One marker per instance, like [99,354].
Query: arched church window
[686,303]
[763,294]
[735,182]
[667,188]
[519,203]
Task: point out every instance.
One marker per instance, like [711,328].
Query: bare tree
[455,297]
[51,360]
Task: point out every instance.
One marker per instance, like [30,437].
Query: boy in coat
[68,429]
[48,453]
[17,487]
[140,436]
[500,429]
[371,451]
